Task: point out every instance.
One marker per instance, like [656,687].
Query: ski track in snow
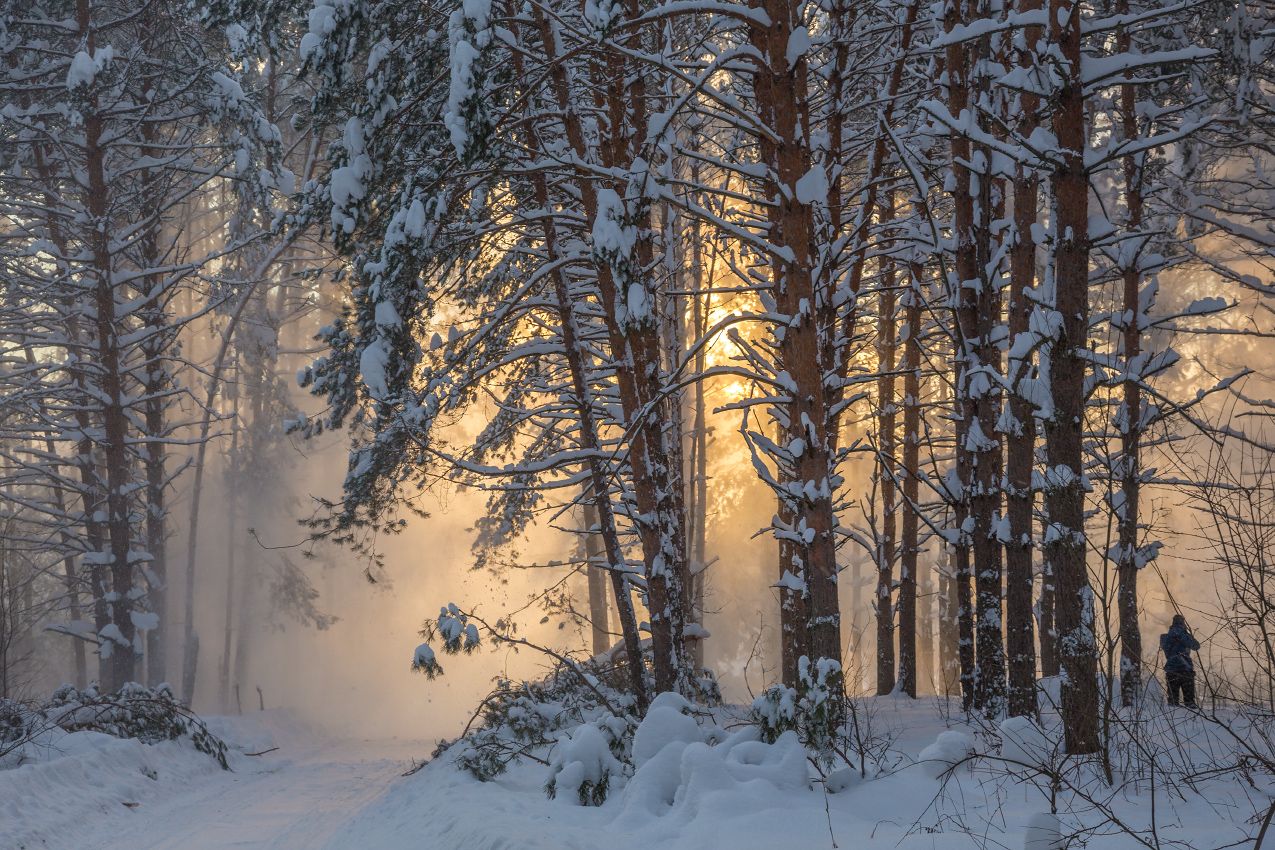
[288,802]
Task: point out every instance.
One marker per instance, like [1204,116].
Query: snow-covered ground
[703,789]
[92,792]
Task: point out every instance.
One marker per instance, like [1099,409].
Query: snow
[144,620]
[85,68]
[799,44]
[947,751]
[610,234]
[424,656]
[81,72]
[58,790]
[812,186]
[478,11]
[322,23]
[583,761]
[346,182]
[696,788]
[231,91]
[1042,833]
[666,723]
[386,316]
[1024,742]
[373,362]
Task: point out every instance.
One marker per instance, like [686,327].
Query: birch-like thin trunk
[910,626]
[1129,419]
[887,346]
[599,613]
[949,642]
[231,479]
[697,467]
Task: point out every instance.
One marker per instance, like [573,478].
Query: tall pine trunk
[1064,429]
[118,642]
[781,87]
[599,497]
[1020,437]
[962,287]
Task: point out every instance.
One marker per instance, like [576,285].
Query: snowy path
[290,802]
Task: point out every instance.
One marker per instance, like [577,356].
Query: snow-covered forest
[812,423]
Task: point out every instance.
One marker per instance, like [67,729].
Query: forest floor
[105,794]
[316,792]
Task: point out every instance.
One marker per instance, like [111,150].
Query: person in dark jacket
[1177,644]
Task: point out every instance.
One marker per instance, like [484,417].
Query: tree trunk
[887,345]
[910,661]
[118,643]
[599,615]
[925,650]
[577,362]
[156,529]
[1064,430]
[231,480]
[69,573]
[1129,419]
[962,286]
[635,347]
[781,91]
[1020,437]
[949,641]
[697,469]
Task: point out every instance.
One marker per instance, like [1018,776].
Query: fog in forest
[352,675]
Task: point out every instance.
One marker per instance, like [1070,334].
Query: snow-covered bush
[775,711]
[587,761]
[17,723]
[814,710]
[150,715]
[707,690]
[518,717]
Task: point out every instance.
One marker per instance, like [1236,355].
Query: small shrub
[814,710]
[149,715]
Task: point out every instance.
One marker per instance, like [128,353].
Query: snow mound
[1024,743]
[689,781]
[666,722]
[949,748]
[63,779]
[841,779]
[1043,833]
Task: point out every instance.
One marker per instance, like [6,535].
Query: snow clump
[947,750]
